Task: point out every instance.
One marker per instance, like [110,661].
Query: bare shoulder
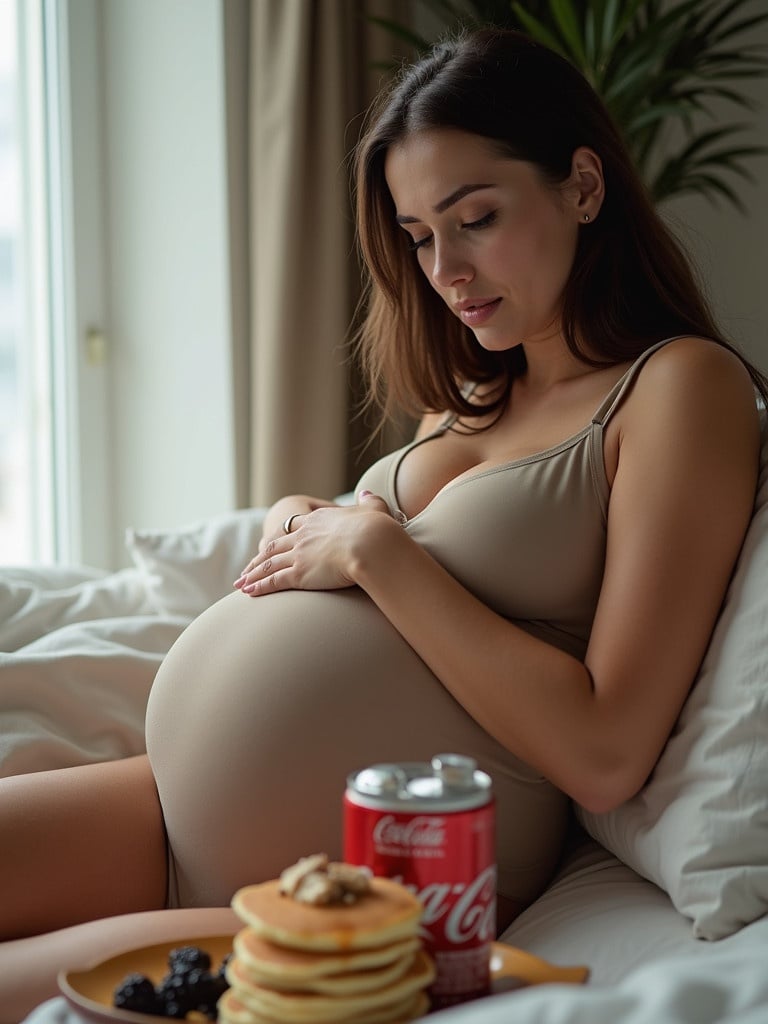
[692,362]
[696,382]
[689,437]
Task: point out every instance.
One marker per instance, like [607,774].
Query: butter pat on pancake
[387,913]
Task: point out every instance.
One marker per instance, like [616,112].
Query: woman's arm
[292,504]
[680,503]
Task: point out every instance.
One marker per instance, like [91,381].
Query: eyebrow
[446,203]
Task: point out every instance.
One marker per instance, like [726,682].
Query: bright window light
[26,467]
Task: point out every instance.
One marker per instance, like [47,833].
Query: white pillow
[699,828]
[186,570]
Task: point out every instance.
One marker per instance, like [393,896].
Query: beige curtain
[308,69]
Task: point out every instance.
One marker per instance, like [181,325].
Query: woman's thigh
[79,843]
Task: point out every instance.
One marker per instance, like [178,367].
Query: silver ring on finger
[289,521]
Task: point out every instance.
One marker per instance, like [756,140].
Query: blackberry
[188,985]
[174,1010]
[176,994]
[212,988]
[136,992]
[223,966]
[207,988]
[197,989]
[188,958]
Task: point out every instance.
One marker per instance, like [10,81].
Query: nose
[451,266]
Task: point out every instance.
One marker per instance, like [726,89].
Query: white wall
[731,250]
[167,263]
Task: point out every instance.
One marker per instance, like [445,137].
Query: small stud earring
[586,218]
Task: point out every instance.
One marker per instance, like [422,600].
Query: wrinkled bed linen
[79,649]
[728,986]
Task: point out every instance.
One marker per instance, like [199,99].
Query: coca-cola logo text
[420,836]
[470,916]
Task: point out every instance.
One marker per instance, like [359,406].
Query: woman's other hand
[321,550]
[278,514]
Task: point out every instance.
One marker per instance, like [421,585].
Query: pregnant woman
[532,581]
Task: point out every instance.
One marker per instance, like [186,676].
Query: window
[53,383]
[14,515]
[26,470]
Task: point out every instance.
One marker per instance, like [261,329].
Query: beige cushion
[699,828]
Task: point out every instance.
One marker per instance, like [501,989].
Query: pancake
[387,913]
[314,1008]
[264,963]
[232,1011]
[326,943]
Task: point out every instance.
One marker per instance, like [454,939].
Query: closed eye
[474,225]
[484,222]
[419,243]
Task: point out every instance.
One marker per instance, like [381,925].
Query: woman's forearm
[538,701]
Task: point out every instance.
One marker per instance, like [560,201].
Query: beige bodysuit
[264,706]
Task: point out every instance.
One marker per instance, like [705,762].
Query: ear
[587,185]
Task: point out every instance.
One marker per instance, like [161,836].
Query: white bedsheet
[80,647]
[731,989]
[78,652]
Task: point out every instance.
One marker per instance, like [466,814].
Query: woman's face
[493,240]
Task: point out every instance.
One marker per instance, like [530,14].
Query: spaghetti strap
[613,399]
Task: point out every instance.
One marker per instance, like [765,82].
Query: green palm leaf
[538,30]
[567,22]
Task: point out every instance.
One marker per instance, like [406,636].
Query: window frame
[67,379]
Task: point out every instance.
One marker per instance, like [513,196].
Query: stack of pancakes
[327,963]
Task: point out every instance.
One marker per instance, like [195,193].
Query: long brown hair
[630,285]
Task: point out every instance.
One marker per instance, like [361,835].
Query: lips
[474,312]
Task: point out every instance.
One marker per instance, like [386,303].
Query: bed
[665,899]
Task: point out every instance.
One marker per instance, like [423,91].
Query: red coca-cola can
[431,826]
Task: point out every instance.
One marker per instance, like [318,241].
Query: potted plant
[656,65]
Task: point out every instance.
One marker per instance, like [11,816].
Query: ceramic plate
[90,991]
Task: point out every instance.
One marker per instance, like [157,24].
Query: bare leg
[79,844]
[28,967]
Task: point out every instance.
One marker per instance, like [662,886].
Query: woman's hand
[320,552]
[293,505]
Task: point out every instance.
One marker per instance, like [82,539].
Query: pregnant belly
[329,659]
[262,708]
